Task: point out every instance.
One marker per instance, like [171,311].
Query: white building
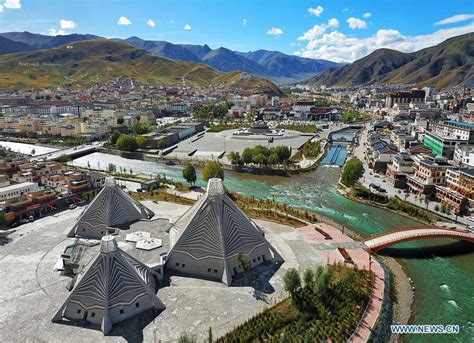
[13,191]
[464,155]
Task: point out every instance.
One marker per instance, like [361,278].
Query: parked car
[31,219]
[72,206]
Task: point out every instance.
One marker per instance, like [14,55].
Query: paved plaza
[31,292]
[213,144]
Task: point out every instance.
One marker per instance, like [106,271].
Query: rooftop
[459,123]
[17,185]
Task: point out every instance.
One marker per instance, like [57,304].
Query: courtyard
[31,291]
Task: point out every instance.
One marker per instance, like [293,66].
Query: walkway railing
[429,233]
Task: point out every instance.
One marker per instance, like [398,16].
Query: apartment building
[458,191]
[464,155]
[442,137]
[404,99]
[399,168]
[428,171]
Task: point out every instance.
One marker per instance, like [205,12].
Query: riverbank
[440,269]
[402,293]
[401,302]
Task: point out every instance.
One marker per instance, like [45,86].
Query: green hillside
[87,62]
[446,64]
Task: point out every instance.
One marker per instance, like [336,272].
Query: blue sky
[333,29]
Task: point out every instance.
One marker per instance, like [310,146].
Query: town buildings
[442,137]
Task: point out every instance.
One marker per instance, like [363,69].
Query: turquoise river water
[442,269]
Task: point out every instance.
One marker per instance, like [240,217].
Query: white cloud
[356,23]
[455,19]
[318,30]
[275,31]
[54,32]
[367,15]
[187,27]
[124,21]
[151,23]
[333,23]
[67,24]
[313,33]
[1,8]
[12,4]
[315,11]
[244,22]
[338,47]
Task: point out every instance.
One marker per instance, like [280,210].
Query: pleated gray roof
[111,283]
[215,227]
[111,208]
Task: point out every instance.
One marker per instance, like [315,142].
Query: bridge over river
[72,152]
[388,238]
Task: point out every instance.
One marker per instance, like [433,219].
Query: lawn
[327,305]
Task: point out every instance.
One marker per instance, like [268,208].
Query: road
[383,181]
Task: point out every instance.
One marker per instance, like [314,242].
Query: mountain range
[272,65]
[448,63]
[85,63]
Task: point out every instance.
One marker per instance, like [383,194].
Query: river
[442,269]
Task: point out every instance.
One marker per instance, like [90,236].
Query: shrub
[212,169]
[189,173]
[127,143]
[352,172]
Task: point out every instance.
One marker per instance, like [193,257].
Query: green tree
[292,281]
[247,155]
[273,159]
[189,173]
[244,261]
[212,169]
[234,157]
[114,137]
[352,172]
[120,120]
[111,168]
[259,159]
[141,141]
[139,129]
[210,338]
[64,159]
[127,143]
[464,207]
[162,144]
[308,278]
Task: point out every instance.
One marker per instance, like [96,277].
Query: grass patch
[162,195]
[305,128]
[223,127]
[328,305]
[393,203]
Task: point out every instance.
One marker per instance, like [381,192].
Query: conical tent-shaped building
[114,286]
[110,210]
[214,238]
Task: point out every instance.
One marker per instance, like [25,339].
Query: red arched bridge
[385,239]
